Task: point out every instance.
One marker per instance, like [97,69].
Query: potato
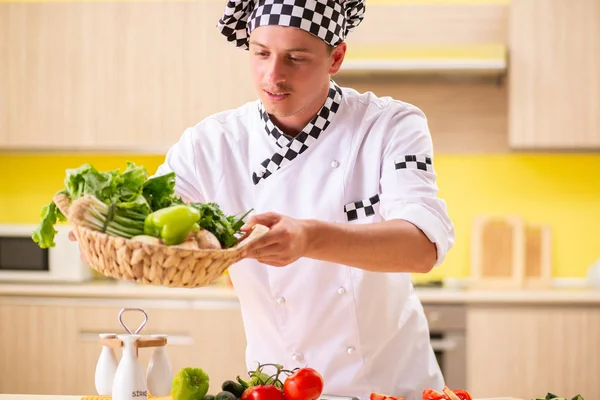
[206,240]
[188,245]
[146,239]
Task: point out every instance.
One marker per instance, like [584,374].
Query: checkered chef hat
[329,20]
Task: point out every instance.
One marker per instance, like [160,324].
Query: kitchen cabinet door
[126,76]
[3,81]
[528,351]
[53,348]
[554,78]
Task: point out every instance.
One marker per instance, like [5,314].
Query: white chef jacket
[363,331]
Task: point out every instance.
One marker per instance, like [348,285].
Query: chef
[346,183]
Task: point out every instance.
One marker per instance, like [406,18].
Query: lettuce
[131,194]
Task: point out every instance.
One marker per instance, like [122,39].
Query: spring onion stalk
[91,213]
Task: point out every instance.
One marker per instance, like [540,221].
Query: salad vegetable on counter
[133,206]
[552,396]
[299,384]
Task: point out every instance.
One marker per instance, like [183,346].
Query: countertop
[125,290]
[56,397]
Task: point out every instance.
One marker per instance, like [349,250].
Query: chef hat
[329,20]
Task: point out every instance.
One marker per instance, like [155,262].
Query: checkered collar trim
[291,147]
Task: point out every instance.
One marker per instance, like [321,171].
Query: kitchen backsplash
[562,190]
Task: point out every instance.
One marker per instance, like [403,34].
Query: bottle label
[139,393]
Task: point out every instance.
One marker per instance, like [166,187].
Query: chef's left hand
[286,241]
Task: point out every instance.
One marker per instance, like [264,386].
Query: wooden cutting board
[538,266]
[509,252]
[498,252]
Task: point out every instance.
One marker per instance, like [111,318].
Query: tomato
[262,392]
[303,384]
[378,396]
[447,394]
[463,394]
[430,394]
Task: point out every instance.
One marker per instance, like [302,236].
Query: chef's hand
[286,241]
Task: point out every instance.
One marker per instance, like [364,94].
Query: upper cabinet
[133,75]
[422,37]
[3,80]
[554,74]
[113,75]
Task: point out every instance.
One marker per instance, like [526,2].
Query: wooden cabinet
[113,75]
[3,80]
[53,348]
[526,351]
[554,74]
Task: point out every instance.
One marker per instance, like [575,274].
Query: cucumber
[225,396]
[209,397]
[233,387]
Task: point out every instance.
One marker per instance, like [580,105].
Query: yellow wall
[562,190]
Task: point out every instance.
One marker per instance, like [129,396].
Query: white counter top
[109,289]
[57,397]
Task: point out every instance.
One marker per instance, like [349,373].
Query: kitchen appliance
[22,260]
[447,330]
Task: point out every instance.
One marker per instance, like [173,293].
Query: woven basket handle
[256,233]
[62,203]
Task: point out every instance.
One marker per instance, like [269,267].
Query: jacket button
[297,357]
[350,350]
[280,300]
[341,290]
[335,164]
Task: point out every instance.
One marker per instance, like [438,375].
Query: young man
[346,184]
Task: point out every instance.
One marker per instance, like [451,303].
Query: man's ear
[337,58]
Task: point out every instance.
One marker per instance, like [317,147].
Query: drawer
[446,317]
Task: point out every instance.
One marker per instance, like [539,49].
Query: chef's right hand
[72,238]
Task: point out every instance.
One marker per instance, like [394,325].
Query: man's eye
[261,54]
[296,59]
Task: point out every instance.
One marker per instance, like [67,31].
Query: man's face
[291,68]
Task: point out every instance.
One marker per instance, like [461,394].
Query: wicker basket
[154,264]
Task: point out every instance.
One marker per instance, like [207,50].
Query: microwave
[22,260]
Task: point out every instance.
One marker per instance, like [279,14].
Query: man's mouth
[276,96]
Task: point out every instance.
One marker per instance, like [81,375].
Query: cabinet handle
[443,344]
[176,340]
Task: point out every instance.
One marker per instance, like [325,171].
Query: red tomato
[463,394]
[304,384]
[430,394]
[378,396]
[263,392]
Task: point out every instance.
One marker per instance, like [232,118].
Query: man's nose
[275,71]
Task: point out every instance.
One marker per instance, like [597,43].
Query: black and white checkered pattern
[361,209]
[291,147]
[329,20]
[415,162]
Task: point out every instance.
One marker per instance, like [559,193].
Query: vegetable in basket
[172,224]
[120,204]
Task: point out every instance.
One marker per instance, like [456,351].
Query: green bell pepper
[172,224]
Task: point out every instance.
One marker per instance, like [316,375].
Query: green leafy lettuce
[223,227]
[130,195]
